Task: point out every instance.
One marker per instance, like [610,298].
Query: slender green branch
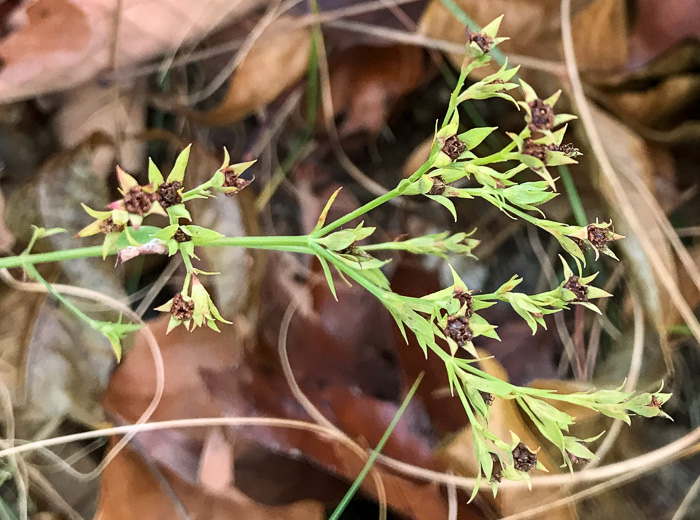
[396,192]
[54,256]
[296,244]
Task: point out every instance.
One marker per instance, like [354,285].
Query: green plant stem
[359,211]
[53,256]
[296,244]
[574,198]
[32,271]
[396,192]
[375,453]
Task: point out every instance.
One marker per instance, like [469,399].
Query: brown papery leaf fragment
[277,59]
[129,489]
[59,44]
[366,83]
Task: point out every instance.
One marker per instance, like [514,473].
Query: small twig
[272,14]
[625,205]
[580,342]
[597,328]
[314,412]
[148,335]
[682,510]
[630,384]
[452,501]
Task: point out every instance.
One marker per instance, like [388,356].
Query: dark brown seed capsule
[453,147]
[580,291]
[109,226]
[542,115]
[655,402]
[137,202]
[168,194]
[180,236]
[181,309]
[597,236]
[580,243]
[534,149]
[233,180]
[487,397]
[482,40]
[458,329]
[465,298]
[438,187]
[523,458]
[497,471]
[576,460]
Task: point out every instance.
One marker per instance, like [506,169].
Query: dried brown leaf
[115,112]
[366,83]
[277,59]
[129,489]
[58,44]
[661,25]
[630,157]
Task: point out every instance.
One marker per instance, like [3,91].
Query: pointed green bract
[177,174]
[324,214]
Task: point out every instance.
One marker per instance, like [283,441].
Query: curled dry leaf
[58,44]
[635,166]
[129,489]
[277,59]
[661,112]
[366,82]
[660,26]
[116,112]
[599,28]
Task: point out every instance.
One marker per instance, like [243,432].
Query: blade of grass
[375,453]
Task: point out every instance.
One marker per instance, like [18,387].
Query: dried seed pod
[458,329]
[438,187]
[465,299]
[453,147]
[597,236]
[523,458]
[482,40]
[497,471]
[180,236]
[542,115]
[576,460]
[182,309]
[168,194]
[580,243]
[234,180]
[580,291]
[137,201]
[109,226]
[536,150]
[487,397]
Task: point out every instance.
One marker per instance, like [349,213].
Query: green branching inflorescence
[444,323]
